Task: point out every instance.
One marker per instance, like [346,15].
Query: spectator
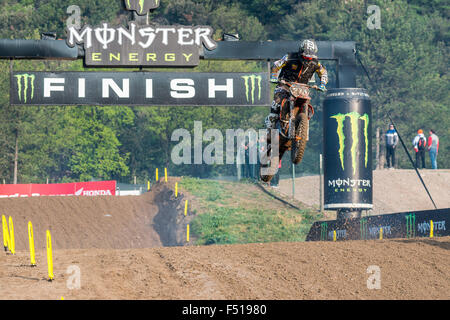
[276,178]
[391,143]
[260,147]
[420,146]
[433,147]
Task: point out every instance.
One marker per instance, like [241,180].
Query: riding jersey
[295,68]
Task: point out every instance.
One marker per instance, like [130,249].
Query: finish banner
[140,88]
[96,188]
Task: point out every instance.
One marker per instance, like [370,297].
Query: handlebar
[307,85]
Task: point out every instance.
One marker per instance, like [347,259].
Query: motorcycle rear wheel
[266,178]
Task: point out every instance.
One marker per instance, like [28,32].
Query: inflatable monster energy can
[347,123]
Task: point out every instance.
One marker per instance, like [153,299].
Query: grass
[238,212]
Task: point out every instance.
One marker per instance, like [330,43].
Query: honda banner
[97,188]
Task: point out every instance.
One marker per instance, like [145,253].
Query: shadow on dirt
[431,242]
[169,222]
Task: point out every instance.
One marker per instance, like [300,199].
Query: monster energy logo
[410,225]
[22,89]
[363,228]
[354,117]
[250,81]
[323,231]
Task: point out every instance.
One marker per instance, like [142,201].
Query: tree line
[407,60]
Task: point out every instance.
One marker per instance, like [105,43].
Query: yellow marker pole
[148,185]
[381,233]
[187,233]
[49,257]
[176,189]
[157,175]
[31,241]
[334,235]
[5,233]
[185,208]
[431,228]
[165,174]
[12,243]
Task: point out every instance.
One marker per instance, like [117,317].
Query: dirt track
[97,222]
[121,257]
[414,269]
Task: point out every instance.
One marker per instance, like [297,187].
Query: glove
[322,88]
[274,77]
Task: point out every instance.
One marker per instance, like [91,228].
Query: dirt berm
[154,219]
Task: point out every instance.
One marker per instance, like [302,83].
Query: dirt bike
[293,126]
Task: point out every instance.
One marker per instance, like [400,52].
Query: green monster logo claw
[251,81]
[23,94]
[141,6]
[354,117]
[323,231]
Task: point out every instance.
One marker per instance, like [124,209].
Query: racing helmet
[308,48]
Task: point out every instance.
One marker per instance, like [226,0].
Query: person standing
[433,147]
[391,143]
[420,146]
[276,178]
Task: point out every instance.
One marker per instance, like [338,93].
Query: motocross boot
[271,124]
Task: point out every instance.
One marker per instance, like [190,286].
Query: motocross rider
[294,67]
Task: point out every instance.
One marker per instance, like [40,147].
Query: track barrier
[12,243]
[5,233]
[412,224]
[51,276]
[31,242]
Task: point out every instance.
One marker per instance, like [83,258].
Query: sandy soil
[394,190]
[410,269]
